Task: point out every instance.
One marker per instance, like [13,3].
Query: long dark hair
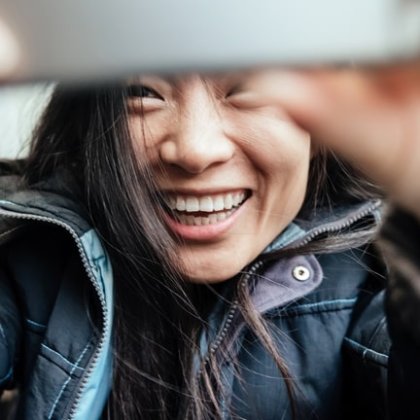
[158,316]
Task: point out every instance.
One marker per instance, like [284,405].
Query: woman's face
[230,163]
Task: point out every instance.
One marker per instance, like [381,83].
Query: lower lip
[203,232]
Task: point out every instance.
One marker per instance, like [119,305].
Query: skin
[216,134]
[370,117]
[367,116]
[9,52]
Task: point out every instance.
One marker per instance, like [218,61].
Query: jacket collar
[273,285]
[302,231]
[284,280]
[56,199]
[281,282]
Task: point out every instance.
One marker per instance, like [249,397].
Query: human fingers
[9,53]
[352,113]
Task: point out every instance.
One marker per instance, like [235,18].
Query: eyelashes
[142,92]
[143,98]
[234,90]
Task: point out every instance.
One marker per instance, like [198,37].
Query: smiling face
[231,165]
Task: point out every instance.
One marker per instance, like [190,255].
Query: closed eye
[234,90]
[241,96]
[142,91]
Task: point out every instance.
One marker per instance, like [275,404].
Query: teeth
[206,204]
[238,198]
[211,219]
[192,204]
[180,204]
[218,203]
[228,201]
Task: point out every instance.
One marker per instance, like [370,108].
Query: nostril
[195,154]
[167,152]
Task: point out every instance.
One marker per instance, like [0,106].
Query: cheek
[276,146]
[137,127]
[280,154]
[146,133]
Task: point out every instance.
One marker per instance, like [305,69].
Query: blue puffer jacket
[56,288]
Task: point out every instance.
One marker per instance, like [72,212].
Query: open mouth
[204,210]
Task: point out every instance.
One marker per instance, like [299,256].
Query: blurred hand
[9,53]
[369,117]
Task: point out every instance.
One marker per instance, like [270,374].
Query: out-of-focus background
[20,107]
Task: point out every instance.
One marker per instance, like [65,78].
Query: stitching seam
[325,302]
[66,382]
[377,331]
[61,357]
[366,351]
[8,232]
[36,324]
[325,306]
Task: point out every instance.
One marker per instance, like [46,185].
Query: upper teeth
[208,203]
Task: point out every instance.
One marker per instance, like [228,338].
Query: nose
[197,140]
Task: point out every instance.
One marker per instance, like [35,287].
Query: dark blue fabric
[330,330]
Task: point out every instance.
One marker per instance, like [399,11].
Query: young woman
[183,248]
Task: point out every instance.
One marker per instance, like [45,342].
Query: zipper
[333,227]
[230,317]
[92,279]
[233,310]
[231,313]
[336,226]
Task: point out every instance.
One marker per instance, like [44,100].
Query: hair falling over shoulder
[158,316]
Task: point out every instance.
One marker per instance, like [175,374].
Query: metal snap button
[301,273]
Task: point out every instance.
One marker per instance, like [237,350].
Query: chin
[212,279]
[214,263]
[209,275]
